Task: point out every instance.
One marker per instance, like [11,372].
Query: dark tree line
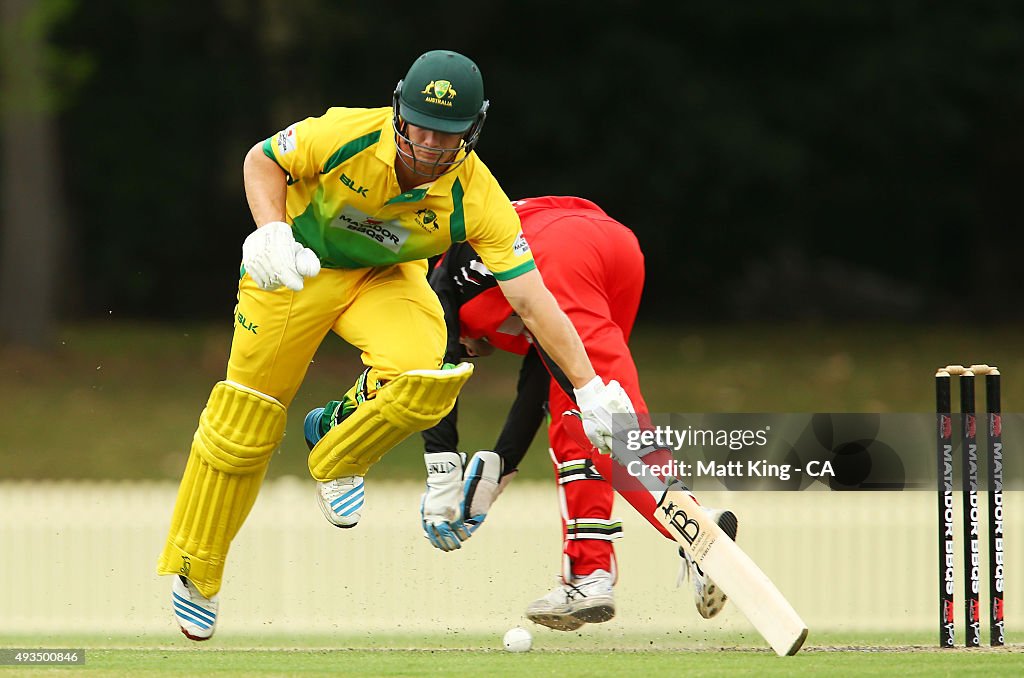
[777,160]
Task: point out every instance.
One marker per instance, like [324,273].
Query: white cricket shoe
[341,500]
[195,613]
[567,607]
[708,598]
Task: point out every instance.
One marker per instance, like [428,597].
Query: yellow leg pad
[411,402]
[238,432]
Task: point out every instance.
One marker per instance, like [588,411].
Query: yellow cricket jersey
[345,204]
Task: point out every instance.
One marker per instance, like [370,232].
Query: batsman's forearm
[563,344]
[549,325]
[556,333]
[265,187]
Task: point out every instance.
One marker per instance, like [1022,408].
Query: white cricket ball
[518,639]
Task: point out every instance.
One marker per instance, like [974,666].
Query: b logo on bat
[684,525]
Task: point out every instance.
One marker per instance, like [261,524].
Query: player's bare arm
[548,323]
[265,187]
[270,254]
[597,401]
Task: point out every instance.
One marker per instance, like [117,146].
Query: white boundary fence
[80,557]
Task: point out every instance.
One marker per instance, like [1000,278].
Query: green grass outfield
[560,655]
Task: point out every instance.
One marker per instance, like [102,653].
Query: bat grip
[625,456]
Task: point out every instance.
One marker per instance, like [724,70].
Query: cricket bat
[733,571]
[721,559]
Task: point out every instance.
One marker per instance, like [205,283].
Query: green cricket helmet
[443,91]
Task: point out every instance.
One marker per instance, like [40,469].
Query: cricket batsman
[348,206]
[594,267]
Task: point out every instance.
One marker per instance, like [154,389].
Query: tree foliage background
[784,160]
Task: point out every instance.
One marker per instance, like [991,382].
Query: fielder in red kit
[594,267]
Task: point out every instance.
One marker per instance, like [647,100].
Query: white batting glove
[484,484]
[441,505]
[598,403]
[273,258]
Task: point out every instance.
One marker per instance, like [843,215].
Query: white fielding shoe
[196,614]
[708,598]
[341,500]
[567,607]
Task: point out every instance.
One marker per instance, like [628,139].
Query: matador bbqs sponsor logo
[286,141]
[388,233]
[520,246]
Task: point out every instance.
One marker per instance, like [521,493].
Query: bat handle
[624,456]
